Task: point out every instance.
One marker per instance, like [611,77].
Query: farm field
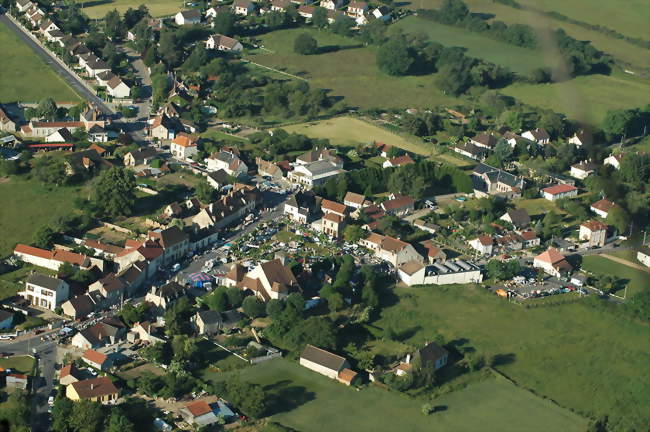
[32,206]
[25,77]
[631,54]
[520,60]
[558,351]
[637,279]
[585,98]
[348,69]
[157,8]
[306,401]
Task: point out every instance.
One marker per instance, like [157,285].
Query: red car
[38,331]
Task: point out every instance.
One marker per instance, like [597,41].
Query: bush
[305,44]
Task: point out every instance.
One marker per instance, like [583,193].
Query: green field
[637,279]
[157,8]
[348,70]
[307,401]
[25,77]
[585,98]
[22,364]
[537,206]
[517,59]
[30,206]
[579,356]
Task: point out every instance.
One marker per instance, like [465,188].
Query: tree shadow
[440,408]
[504,359]
[286,396]
[335,48]
[408,333]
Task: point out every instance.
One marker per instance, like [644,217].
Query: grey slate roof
[44,281]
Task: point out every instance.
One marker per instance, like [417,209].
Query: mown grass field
[308,402]
[25,77]
[634,55]
[520,60]
[157,8]
[585,98]
[348,70]
[28,206]
[22,364]
[637,280]
[579,356]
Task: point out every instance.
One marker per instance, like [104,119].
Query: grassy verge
[557,351]
[25,76]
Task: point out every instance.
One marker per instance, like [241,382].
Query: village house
[398,161]
[53,259]
[142,156]
[60,135]
[554,193]
[23,5]
[583,169]
[162,128]
[332,4]
[426,226]
[530,239]
[198,413]
[357,9]
[117,88]
[48,26]
[471,151]
[398,205]
[519,218]
[100,389]
[301,207]
[602,207]
[6,124]
[323,362]
[174,242]
[164,296]
[433,253]
[643,255]
[439,273]
[81,306]
[484,140]
[582,138]
[333,207]
[184,146]
[614,160]
[227,161]
[390,249]
[146,332]
[553,263]
[594,233]
[45,291]
[218,179]
[488,181]
[270,280]
[314,174]
[280,5]
[106,332]
[207,322]
[223,43]
[513,139]
[319,154]
[354,200]
[538,135]
[147,255]
[111,287]
[69,374]
[268,169]
[229,209]
[243,7]
[332,224]
[483,244]
[96,360]
[188,17]
[16,381]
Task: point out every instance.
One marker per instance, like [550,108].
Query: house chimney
[92,386]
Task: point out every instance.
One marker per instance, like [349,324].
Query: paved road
[48,58]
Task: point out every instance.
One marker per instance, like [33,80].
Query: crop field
[558,351]
[32,206]
[157,8]
[349,70]
[310,402]
[25,77]
[585,98]
[517,59]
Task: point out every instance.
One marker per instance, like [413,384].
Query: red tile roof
[551,256]
[95,357]
[30,250]
[559,189]
[594,225]
[198,408]
[604,205]
[401,160]
[333,206]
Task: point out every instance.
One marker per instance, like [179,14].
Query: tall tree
[114,193]
[394,57]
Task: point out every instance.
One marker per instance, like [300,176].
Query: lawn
[157,8]
[520,60]
[25,77]
[537,206]
[637,279]
[585,98]
[32,205]
[350,131]
[22,364]
[348,70]
[581,357]
[307,401]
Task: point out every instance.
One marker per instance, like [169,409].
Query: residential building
[53,259]
[488,180]
[432,353]
[471,151]
[147,255]
[198,413]
[530,239]
[357,9]
[229,209]
[643,255]
[582,138]
[227,161]
[111,287]
[23,5]
[314,173]
[333,207]
[301,207]
[426,226]
[69,374]
[319,154]
[100,389]
[243,7]
[174,242]
[117,88]
[188,17]
[332,4]
[332,224]
[398,161]
[554,193]
[268,169]
[270,280]
[390,249]
[519,218]
[45,291]
[147,332]
[484,140]
[439,273]
[583,169]
[163,128]
[6,124]
[602,207]
[306,11]
[223,43]
[538,135]
[594,232]
[323,362]
[614,160]
[552,262]
[483,244]
[59,135]
[433,253]
[143,156]
[17,381]
[106,332]
[208,322]
[96,359]
[398,205]
[184,146]
[164,296]
[354,200]
[80,306]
